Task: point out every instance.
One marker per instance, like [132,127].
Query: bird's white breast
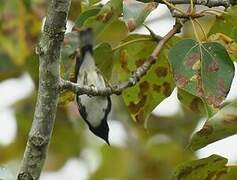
[96,105]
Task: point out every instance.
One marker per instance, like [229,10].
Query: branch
[134,78]
[208,3]
[49,76]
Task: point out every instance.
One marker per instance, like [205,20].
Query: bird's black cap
[101,131]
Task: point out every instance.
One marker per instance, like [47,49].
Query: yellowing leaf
[155,86]
[206,168]
[221,125]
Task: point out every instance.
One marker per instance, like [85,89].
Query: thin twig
[173,7]
[134,78]
[208,3]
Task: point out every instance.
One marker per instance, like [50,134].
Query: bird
[94,110]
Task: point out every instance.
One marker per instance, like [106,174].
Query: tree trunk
[49,78]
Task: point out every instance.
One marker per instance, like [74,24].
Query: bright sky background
[15,89]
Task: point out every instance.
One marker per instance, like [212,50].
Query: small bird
[93,109]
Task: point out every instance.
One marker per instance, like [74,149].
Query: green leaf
[204,70]
[220,126]
[227,42]
[155,86]
[92,2]
[7,68]
[135,12]
[85,15]
[115,32]
[103,55]
[207,168]
[106,24]
[224,31]
[226,24]
[231,174]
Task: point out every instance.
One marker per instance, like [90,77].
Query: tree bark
[48,50]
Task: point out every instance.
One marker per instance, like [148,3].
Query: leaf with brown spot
[212,67]
[86,14]
[192,59]
[191,102]
[144,87]
[156,88]
[166,89]
[135,12]
[201,169]
[135,107]
[106,24]
[202,69]
[124,60]
[140,62]
[161,71]
[181,80]
[152,86]
[221,125]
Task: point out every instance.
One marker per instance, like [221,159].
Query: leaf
[191,102]
[226,24]
[92,2]
[196,104]
[231,175]
[68,55]
[135,12]
[220,126]
[204,70]
[7,68]
[224,31]
[155,86]
[113,33]
[85,15]
[103,56]
[106,24]
[227,42]
[65,98]
[206,168]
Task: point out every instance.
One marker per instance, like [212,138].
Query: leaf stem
[191,7]
[131,42]
[202,29]
[195,31]
[173,6]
